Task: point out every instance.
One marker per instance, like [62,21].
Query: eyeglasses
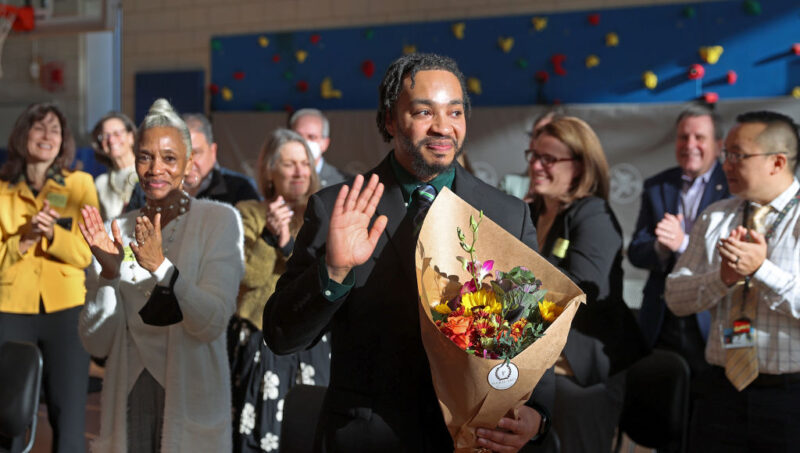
[546,160]
[735,158]
[116,134]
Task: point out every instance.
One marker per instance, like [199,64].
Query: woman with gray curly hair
[161,290]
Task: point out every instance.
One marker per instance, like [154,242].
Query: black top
[593,260]
[380,397]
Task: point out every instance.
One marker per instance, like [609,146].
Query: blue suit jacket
[661,195]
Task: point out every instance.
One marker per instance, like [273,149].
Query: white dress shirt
[695,285]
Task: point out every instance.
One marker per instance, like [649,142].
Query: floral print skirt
[260,381]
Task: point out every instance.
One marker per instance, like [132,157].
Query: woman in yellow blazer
[42,257]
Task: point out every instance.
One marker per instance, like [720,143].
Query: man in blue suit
[671,201]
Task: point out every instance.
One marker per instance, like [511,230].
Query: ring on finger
[737,259]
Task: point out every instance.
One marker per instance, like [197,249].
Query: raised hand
[350,239]
[279,216]
[108,252]
[147,248]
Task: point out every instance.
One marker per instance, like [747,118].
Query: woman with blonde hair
[579,233]
[161,291]
[261,379]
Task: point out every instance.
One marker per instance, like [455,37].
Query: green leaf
[438,316]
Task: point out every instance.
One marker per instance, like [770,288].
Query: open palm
[350,239]
[108,252]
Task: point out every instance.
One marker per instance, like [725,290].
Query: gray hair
[199,122]
[326,127]
[270,154]
[161,114]
[695,110]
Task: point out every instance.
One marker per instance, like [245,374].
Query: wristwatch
[544,427]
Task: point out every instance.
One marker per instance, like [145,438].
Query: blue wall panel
[662,39]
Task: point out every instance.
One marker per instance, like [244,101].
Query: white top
[193,353]
[114,190]
[695,284]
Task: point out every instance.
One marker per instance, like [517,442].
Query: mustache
[429,140]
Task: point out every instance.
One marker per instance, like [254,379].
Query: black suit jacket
[380,397]
[661,194]
[593,261]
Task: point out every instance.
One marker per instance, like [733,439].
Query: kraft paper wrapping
[461,380]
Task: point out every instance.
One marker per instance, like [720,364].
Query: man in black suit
[359,281]
[314,126]
[671,201]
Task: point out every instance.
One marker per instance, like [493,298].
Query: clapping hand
[44,221]
[147,248]
[108,252]
[279,216]
[740,256]
[350,239]
[669,231]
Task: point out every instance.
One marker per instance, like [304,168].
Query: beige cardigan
[197,416]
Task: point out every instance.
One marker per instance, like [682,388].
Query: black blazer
[380,397]
[593,261]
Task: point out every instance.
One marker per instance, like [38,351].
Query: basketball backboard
[69,16]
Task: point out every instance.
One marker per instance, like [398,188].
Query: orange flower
[457,328]
[516,328]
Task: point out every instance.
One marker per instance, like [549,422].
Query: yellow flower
[443,309]
[484,297]
[549,310]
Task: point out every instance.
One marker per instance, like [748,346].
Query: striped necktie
[421,201]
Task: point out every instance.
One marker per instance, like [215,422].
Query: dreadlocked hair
[408,65]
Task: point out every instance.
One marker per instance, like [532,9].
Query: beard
[422,169]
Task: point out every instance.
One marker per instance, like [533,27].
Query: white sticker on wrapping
[503,376]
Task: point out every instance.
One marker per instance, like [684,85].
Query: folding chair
[20,379]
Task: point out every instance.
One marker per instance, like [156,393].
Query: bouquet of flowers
[488,338]
[498,319]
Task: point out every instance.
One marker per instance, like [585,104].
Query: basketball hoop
[7,17]
[12,17]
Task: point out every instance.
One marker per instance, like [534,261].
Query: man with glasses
[671,201]
[741,265]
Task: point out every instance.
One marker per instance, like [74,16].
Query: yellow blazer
[52,270]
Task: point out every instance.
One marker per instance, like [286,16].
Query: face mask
[315,149]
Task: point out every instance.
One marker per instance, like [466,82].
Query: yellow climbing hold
[650,80]
[327,91]
[458,29]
